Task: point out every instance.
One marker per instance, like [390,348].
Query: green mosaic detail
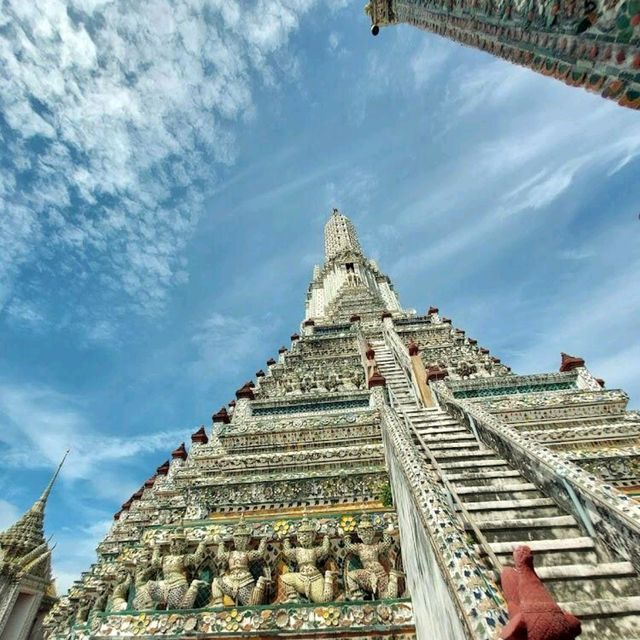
[526,388]
[334,328]
[314,407]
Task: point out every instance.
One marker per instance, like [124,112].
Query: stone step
[488,477]
[425,414]
[417,413]
[435,426]
[582,582]
[541,547]
[418,416]
[571,571]
[527,523]
[561,551]
[458,436]
[479,454]
[426,430]
[465,445]
[489,462]
[521,487]
[497,505]
[602,607]
[623,627]
[514,529]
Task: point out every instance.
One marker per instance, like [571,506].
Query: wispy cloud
[114,117]
[37,424]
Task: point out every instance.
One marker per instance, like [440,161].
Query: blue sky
[166,170]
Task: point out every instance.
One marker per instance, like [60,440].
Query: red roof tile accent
[200,436]
[179,453]
[569,363]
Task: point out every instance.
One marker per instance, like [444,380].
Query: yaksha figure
[120,593]
[174,590]
[308,581]
[237,582]
[373,577]
[143,572]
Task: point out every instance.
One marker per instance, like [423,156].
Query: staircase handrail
[401,354]
[466,517]
[617,520]
[362,348]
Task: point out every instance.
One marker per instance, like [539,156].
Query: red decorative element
[250,383]
[163,469]
[179,453]
[354,318]
[473,341]
[127,505]
[600,381]
[436,373]
[245,392]
[386,314]
[138,494]
[116,516]
[494,359]
[414,349]
[232,403]
[294,337]
[221,416]
[270,362]
[308,323]
[260,373]
[569,363]
[370,353]
[282,350]
[377,379]
[533,613]
[432,311]
[149,482]
[446,320]
[200,436]
[484,351]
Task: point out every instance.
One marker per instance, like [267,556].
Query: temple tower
[374,481]
[594,44]
[27,591]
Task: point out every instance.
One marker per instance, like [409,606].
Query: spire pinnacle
[41,502]
[340,236]
[27,533]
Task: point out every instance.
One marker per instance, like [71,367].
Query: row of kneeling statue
[161,580]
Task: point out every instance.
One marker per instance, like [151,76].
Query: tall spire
[348,283]
[41,502]
[340,237]
[27,533]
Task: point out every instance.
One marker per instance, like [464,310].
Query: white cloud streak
[114,117]
[38,424]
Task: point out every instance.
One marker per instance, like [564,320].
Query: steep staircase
[603,591]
